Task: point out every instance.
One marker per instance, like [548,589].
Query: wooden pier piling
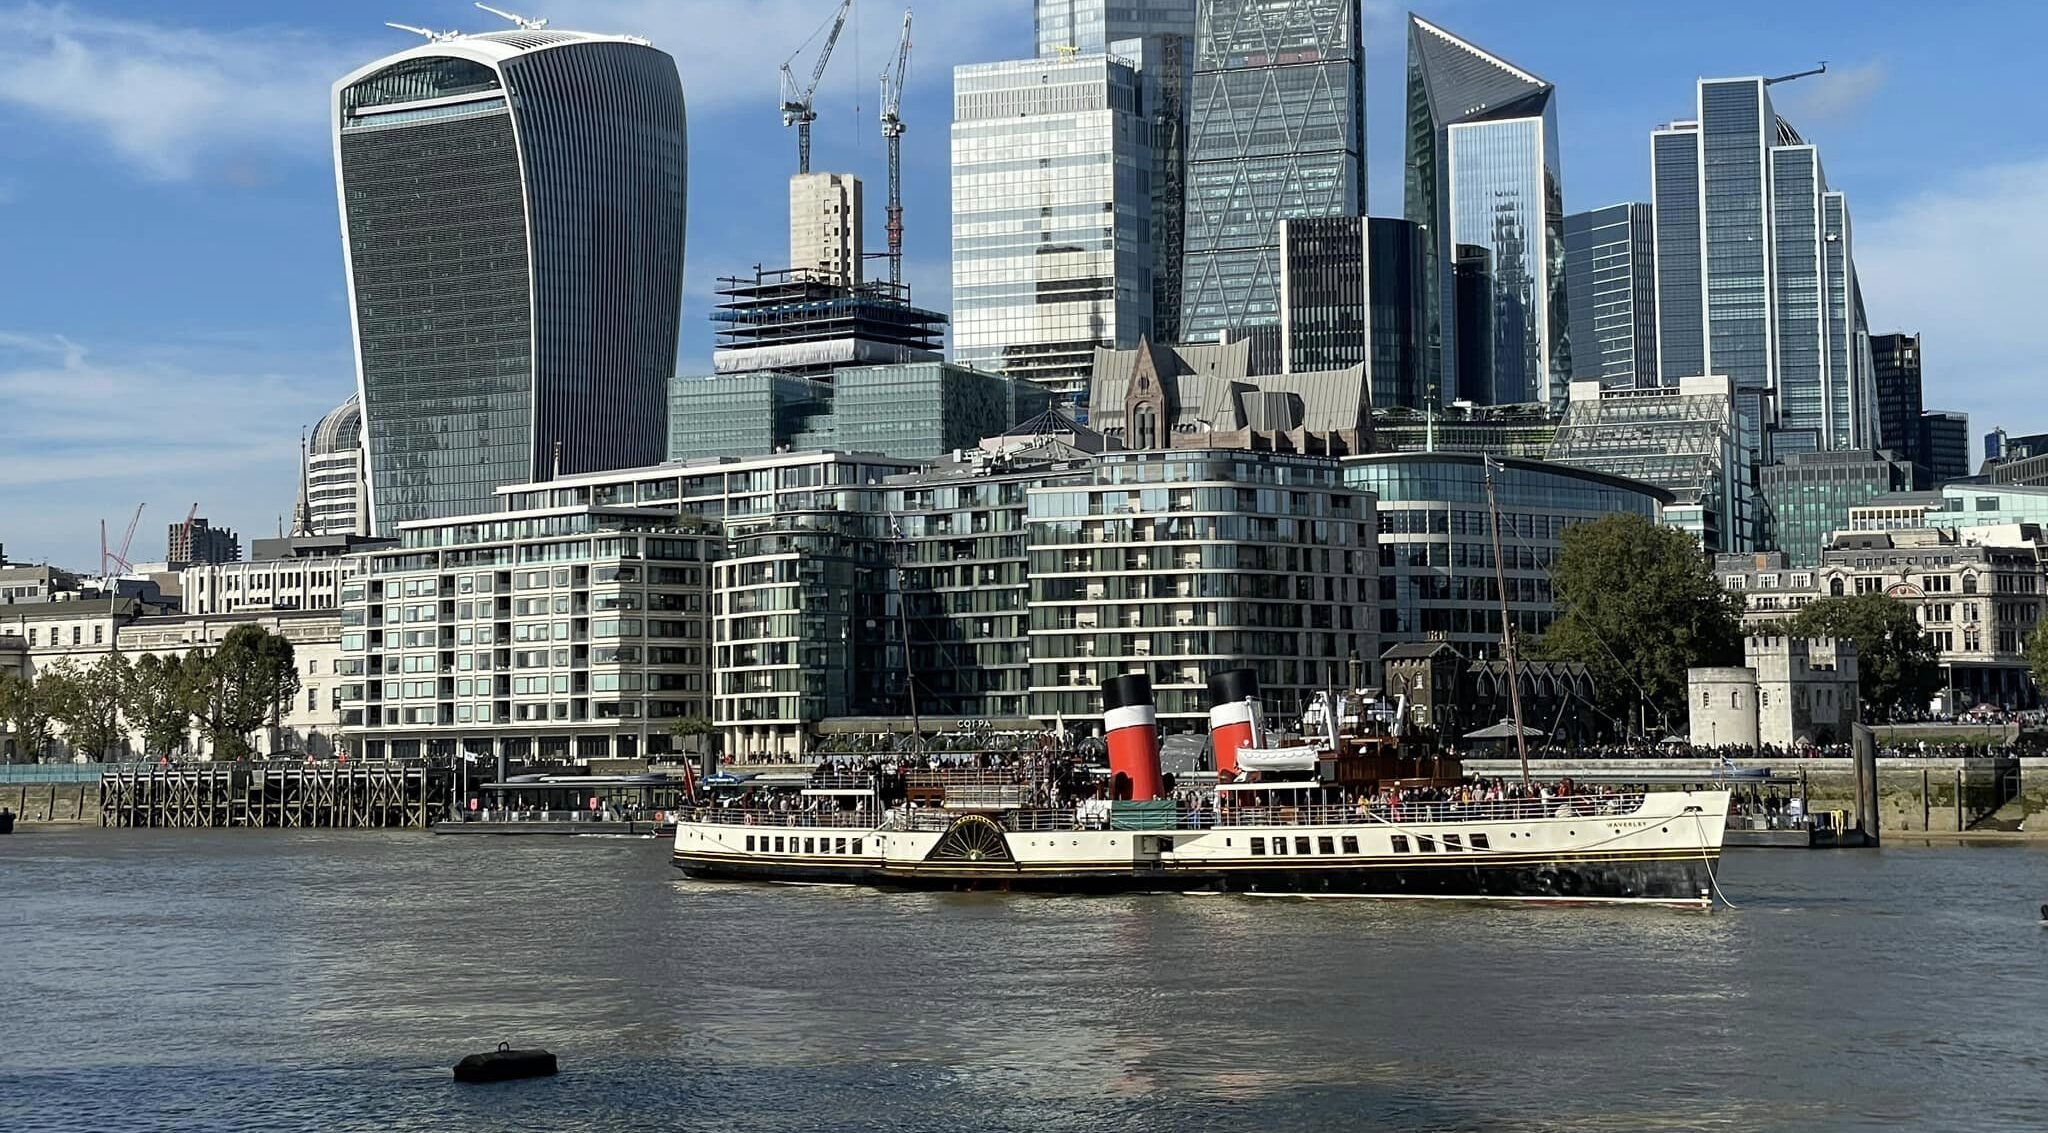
[355,795]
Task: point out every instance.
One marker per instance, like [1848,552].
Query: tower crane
[893,78]
[1820,70]
[798,101]
[111,558]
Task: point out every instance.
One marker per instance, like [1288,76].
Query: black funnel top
[1127,690]
[1233,686]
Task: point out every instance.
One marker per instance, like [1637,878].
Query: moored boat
[1337,814]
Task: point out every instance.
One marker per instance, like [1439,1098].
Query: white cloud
[1836,97]
[169,98]
[1952,263]
[90,433]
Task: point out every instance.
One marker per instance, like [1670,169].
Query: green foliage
[1640,606]
[2037,655]
[158,702]
[26,708]
[87,701]
[684,727]
[240,687]
[1897,666]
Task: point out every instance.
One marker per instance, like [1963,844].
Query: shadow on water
[308,980]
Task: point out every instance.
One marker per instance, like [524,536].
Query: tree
[158,702]
[1640,606]
[1896,664]
[2037,655]
[87,701]
[241,686]
[26,709]
[684,727]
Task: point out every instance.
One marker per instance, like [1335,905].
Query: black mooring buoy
[505,1064]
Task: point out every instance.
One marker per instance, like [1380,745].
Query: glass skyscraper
[1483,172]
[1351,293]
[1277,132]
[512,209]
[1611,293]
[1091,26]
[1052,215]
[1158,36]
[1756,275]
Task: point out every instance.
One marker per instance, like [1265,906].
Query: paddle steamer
[1336,811]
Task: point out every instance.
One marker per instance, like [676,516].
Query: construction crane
[798,107]
[893,79]
[1820,70]
[111,558]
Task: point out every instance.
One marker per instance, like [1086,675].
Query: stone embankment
[1930,797]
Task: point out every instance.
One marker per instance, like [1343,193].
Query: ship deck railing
[1485,810]
[1041,819]
[762,816]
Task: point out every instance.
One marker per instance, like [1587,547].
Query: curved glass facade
[516,253]
[1436,572]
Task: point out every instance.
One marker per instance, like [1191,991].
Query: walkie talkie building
[512,214]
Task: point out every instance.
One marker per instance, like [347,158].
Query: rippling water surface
[326,981]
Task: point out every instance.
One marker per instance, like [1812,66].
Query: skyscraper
[512,219]
[1350,294]
[1158,36]
[1483,171]
[1277,131]
[1052,216]
[1944,447]
[1611,293]
[1091,26]
[1895,376]
[1756,275]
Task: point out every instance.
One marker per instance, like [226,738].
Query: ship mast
[1507,624]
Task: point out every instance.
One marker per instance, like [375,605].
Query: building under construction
[804,321]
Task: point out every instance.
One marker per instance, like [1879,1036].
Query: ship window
[856,845]
[778,845]
[1279,846]
[1425,844]
[1350,844]
[1326,845]
[810,845]
[1400,843]
[1258,847]
[750,843]
[840,845]
[1453,842]
[1301,845]
[1479,841]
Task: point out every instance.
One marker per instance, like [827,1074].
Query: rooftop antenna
[521,22]
[431,35]
[1820,70]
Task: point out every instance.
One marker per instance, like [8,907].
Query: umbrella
[1673,741]
[1505,730]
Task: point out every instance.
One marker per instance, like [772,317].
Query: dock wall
[1914,796]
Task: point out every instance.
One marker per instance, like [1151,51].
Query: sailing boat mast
[1507,624]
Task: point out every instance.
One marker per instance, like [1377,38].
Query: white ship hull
[1661,851]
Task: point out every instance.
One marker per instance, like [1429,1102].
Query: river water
[327,980]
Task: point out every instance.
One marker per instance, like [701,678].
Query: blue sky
[171,298]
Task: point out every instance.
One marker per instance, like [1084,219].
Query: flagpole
[1507,625]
